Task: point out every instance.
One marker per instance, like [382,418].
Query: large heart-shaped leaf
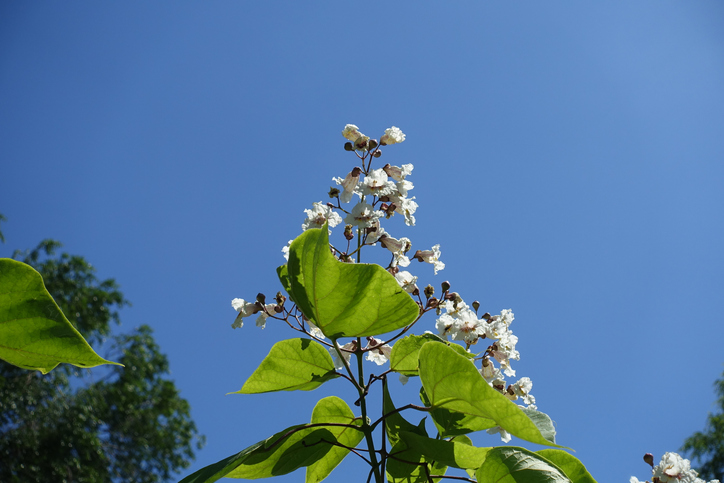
[294,364]
[509,464]
[452,381]
[344,299]
[404,356]
[450,453]
[453,423]
[34,333]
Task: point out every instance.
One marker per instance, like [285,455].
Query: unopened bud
[348,232]
[486,316]
[432,302]
[416,291]
[373,143]
[261,298]
[280,299]
[649,458]
[445,286]
[278,309]
[476,306]
[377,153]
[333,192]
[451,296]
[356,171]
[429,291]
[348,146]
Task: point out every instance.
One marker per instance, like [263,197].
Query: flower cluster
[362,201]
[671,469]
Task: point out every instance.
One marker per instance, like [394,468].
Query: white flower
[674,468]
[319,215]
[264,314]
[349,185]
[245,309]
[522,389]
[398,173]
[315,331]
[398,249]
[351,132]
[407,281]
[431,256]
[346,350]
[285,250]
[404,206]
[363,215]
[392,135]
[377,184]
[504,435]
[378,353]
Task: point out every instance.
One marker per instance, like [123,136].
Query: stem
[365,422]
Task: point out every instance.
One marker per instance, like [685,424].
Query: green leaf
[334,410]
[345,299]
[286,451]
[395,423]
[404,356]
[448,453]
[34,333]
[569,464]
[452,423]
[510,464]
[543,422]
[409,466]
[452,382]
[294,364]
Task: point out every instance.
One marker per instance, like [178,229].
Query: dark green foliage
[100,425]
[707,448]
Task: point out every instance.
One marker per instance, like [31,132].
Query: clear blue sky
[569,159]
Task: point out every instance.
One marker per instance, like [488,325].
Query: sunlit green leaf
[452,423]
[345,299]
[449,453]
[34,333]
[395,423]
[294,364]
[510,464]
[452,382]
[334,410]
[569,464]
[404,356]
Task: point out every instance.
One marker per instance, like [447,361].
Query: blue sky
[568,159]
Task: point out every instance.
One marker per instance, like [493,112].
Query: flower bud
[649,458]
[486,316]
[356,171]
[333,192]
[278,309]
[280,299]
[429,291]
[348,146]
[348,234]
[476,306]
[261,298]
[373,143]
[377,153]
[445,286]
[416,291]
[432,302]
[451,296]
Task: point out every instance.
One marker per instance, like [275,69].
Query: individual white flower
[245,309]
[398,173]
[407,281]
[522,390]
[392,135]
[504,435]
[674,468]
[285,250]
[315,331]
[377,184]
[374,233]
[431,256]
[351,132]
[363,215]
[378,353]
[404,206]
[264,314]
[319,215]
[346,350]
[398,249]
[350,185]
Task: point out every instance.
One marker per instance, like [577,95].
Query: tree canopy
[707,447]
[102,425]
